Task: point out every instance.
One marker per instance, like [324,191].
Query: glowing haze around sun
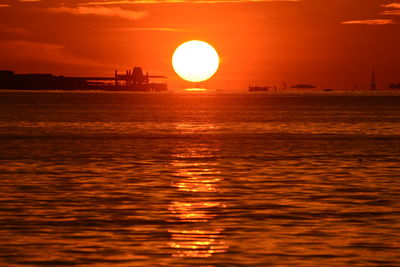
[195,61]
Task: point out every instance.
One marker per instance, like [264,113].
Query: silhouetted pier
[256,88]
[131,80]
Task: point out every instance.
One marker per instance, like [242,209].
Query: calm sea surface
[119,179]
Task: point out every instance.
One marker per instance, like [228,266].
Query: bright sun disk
[195,61]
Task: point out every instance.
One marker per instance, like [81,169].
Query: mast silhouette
[373,80]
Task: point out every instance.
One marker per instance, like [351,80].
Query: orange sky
[329,43]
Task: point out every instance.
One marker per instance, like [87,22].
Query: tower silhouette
[373,80]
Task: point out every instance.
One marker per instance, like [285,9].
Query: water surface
[119,179]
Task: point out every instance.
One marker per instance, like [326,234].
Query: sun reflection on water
[197,243]
[196,128]
[196,210]
[195,233]
[196,89]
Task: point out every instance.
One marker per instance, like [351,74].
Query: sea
[199,179]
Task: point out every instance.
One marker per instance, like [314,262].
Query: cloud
[395,9]
[17,1]
[392,5]
[131,2]
[154,29]
[118,2]
[13,30]
[391,12]
[42,52]
[102,11]
[238,1]
[370,21]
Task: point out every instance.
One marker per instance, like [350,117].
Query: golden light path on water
[195,234]
[195,89]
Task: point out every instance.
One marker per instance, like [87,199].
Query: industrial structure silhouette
[132,80]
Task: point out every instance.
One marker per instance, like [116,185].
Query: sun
[195,61]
